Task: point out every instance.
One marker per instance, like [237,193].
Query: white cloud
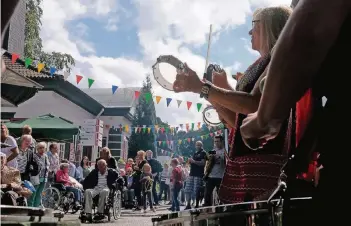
[163,28]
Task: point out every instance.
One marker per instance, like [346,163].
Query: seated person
[11,186]
[129,184]
[99,182]
[62,176]
[105,154]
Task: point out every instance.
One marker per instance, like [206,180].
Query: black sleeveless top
[331,82]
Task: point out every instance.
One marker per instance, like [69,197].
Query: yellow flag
[126,128]
[148,129]
[158,98]
[40,67]
[179,141]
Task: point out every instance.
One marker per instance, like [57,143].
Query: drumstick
[208,49]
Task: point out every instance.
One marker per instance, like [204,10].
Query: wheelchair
[58,198]
[113,206]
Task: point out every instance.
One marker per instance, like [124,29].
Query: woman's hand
[254,135]
[187,81]
[220,79]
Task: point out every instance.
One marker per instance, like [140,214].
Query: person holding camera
[215,168]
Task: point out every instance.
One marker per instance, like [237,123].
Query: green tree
[145,115]
[33,43]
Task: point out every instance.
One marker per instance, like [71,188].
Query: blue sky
[115,42]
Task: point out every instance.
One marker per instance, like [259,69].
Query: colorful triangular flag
[199,105]
[188,104]
[52,71]
[28,62]
[158,98]
[15,56]
[168,101]
[90,82]
[136,94]
[148,97]
[179,102]
[114,89]
[40,67]
[78,78]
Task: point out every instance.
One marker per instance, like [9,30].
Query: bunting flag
[148,97]
[90,82]
[199,105]
[40,67]
[168,101]
[114,89]
[188,104]
[52,71]
[65,75]
[14,58]
[27,62]
[136,94]
[179,102]
[78,78]
[158,98]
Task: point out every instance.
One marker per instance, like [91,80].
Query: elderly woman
[11,183]
[12,151]
[62,176]
[105,154]
[42,177]
[256,172]
[27,164]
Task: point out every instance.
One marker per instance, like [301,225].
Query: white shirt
[102,181]
[7,151]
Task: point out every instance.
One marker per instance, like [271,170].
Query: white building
[65,100]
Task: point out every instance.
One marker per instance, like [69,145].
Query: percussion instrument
[257,213]
[210,116]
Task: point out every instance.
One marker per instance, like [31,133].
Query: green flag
[199,105]
[90,82]
[148,97]
[28,62]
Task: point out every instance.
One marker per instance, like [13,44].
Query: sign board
[91,132]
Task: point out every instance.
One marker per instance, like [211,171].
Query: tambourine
[169,59]
[210,116]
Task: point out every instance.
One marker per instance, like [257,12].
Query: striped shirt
[44,164]
[22,160]
[54,160]
[102,181]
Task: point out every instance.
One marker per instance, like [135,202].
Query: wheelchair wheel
[117,205]
[51,198]
[68,202]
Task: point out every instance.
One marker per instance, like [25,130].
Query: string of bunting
[79,78]
[156,128]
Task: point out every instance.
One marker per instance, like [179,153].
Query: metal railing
[259,213]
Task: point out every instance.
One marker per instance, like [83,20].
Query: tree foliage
[145,115]
[33,47]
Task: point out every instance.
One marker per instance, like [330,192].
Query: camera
[209,71]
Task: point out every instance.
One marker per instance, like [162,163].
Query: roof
[30,72]
[122,98]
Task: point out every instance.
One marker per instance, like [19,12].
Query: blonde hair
[141,153]
[273,20]
[26,137]
[41,144]
[147,165]
[6,130]
[107,150]
[130,159]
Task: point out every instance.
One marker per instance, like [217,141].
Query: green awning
[46,127]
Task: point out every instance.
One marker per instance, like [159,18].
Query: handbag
[35,180]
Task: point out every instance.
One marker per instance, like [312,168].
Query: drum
[258,213]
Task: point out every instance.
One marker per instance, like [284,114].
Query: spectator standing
[156,167]
[27,130]
[164,186]
[84,169]
[27,164]
[54,160]
[177,183]
[12,151]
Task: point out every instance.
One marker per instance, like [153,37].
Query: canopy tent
[46,127]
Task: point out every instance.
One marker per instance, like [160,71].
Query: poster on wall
[91,132]
[72,156]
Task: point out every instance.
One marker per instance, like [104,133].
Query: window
[114,138]
[104,143]
[115,153]
[113,145]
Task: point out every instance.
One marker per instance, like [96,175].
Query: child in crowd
[146,186]
[130,163]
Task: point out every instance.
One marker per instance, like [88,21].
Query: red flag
[211,134]
[136,94]
[78,78]
[189,140]
[15,56]
[188,103]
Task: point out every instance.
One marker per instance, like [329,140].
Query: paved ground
[128,218]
